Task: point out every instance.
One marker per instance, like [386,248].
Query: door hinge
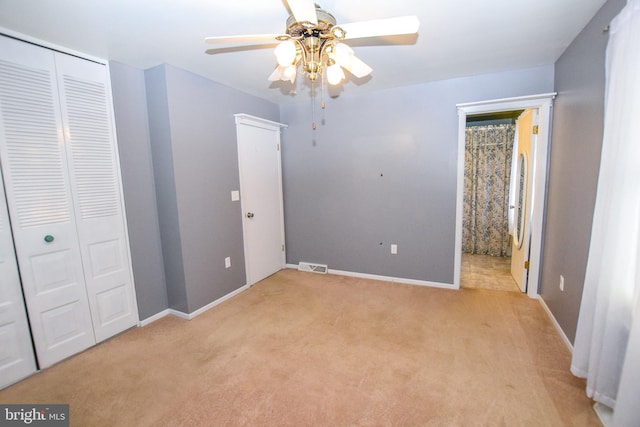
[526,265]
[278,147]
[282,248]
[535,130]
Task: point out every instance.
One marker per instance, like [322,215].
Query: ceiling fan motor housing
[325,22]
[314,38]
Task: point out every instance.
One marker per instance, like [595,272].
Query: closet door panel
[37,184]
[16,353]
[91,150]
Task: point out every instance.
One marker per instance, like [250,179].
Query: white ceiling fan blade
[358,68]
[243,40]
[381,27]
[303,10]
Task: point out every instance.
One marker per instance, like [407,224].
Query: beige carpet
[301,349]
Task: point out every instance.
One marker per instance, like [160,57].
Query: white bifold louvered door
[95,182]
[56,144]
[16,353]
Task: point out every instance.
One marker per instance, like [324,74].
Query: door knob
[48,238]
[249,215]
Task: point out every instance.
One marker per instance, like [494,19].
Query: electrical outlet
[227,262]
[561,283]
[394,249]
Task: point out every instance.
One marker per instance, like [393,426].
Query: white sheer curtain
[607,344]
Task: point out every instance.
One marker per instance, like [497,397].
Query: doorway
[487,218]
[541,104]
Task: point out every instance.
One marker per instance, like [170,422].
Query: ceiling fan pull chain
[322,92]
[313,106]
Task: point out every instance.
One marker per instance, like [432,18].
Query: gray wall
[129,101]
[162,155]
[574,163]
[193,138]
[381,169]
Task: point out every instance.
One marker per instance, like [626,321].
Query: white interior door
[16,353]
[523,183]
[96,189]
[37,184]
[261,195]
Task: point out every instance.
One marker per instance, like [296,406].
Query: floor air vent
[313,268]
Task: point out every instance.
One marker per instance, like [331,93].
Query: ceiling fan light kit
[313,45]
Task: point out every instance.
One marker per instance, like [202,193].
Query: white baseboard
[179,314]
[604,413]
[189,316]
[386,278]
[556,324]
[155,317]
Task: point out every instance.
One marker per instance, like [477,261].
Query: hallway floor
[487,272]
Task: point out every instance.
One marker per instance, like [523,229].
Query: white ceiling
[456,37]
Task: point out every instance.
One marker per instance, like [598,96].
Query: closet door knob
[48,238]
[249,215]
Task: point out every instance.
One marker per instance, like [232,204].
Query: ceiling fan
[314,41]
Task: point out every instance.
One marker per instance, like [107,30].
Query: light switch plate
[227,262]
[235,195]
[394,249]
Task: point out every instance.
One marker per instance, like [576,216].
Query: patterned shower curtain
[487,169]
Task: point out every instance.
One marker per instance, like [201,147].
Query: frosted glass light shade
[289,73]
[334,74]
[286,52]
[344,56]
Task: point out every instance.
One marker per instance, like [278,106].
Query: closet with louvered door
[59,161]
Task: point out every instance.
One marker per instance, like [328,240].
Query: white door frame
[248,120]
[544,103]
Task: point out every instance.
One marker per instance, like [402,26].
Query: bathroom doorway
[487,218]
[536,182]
